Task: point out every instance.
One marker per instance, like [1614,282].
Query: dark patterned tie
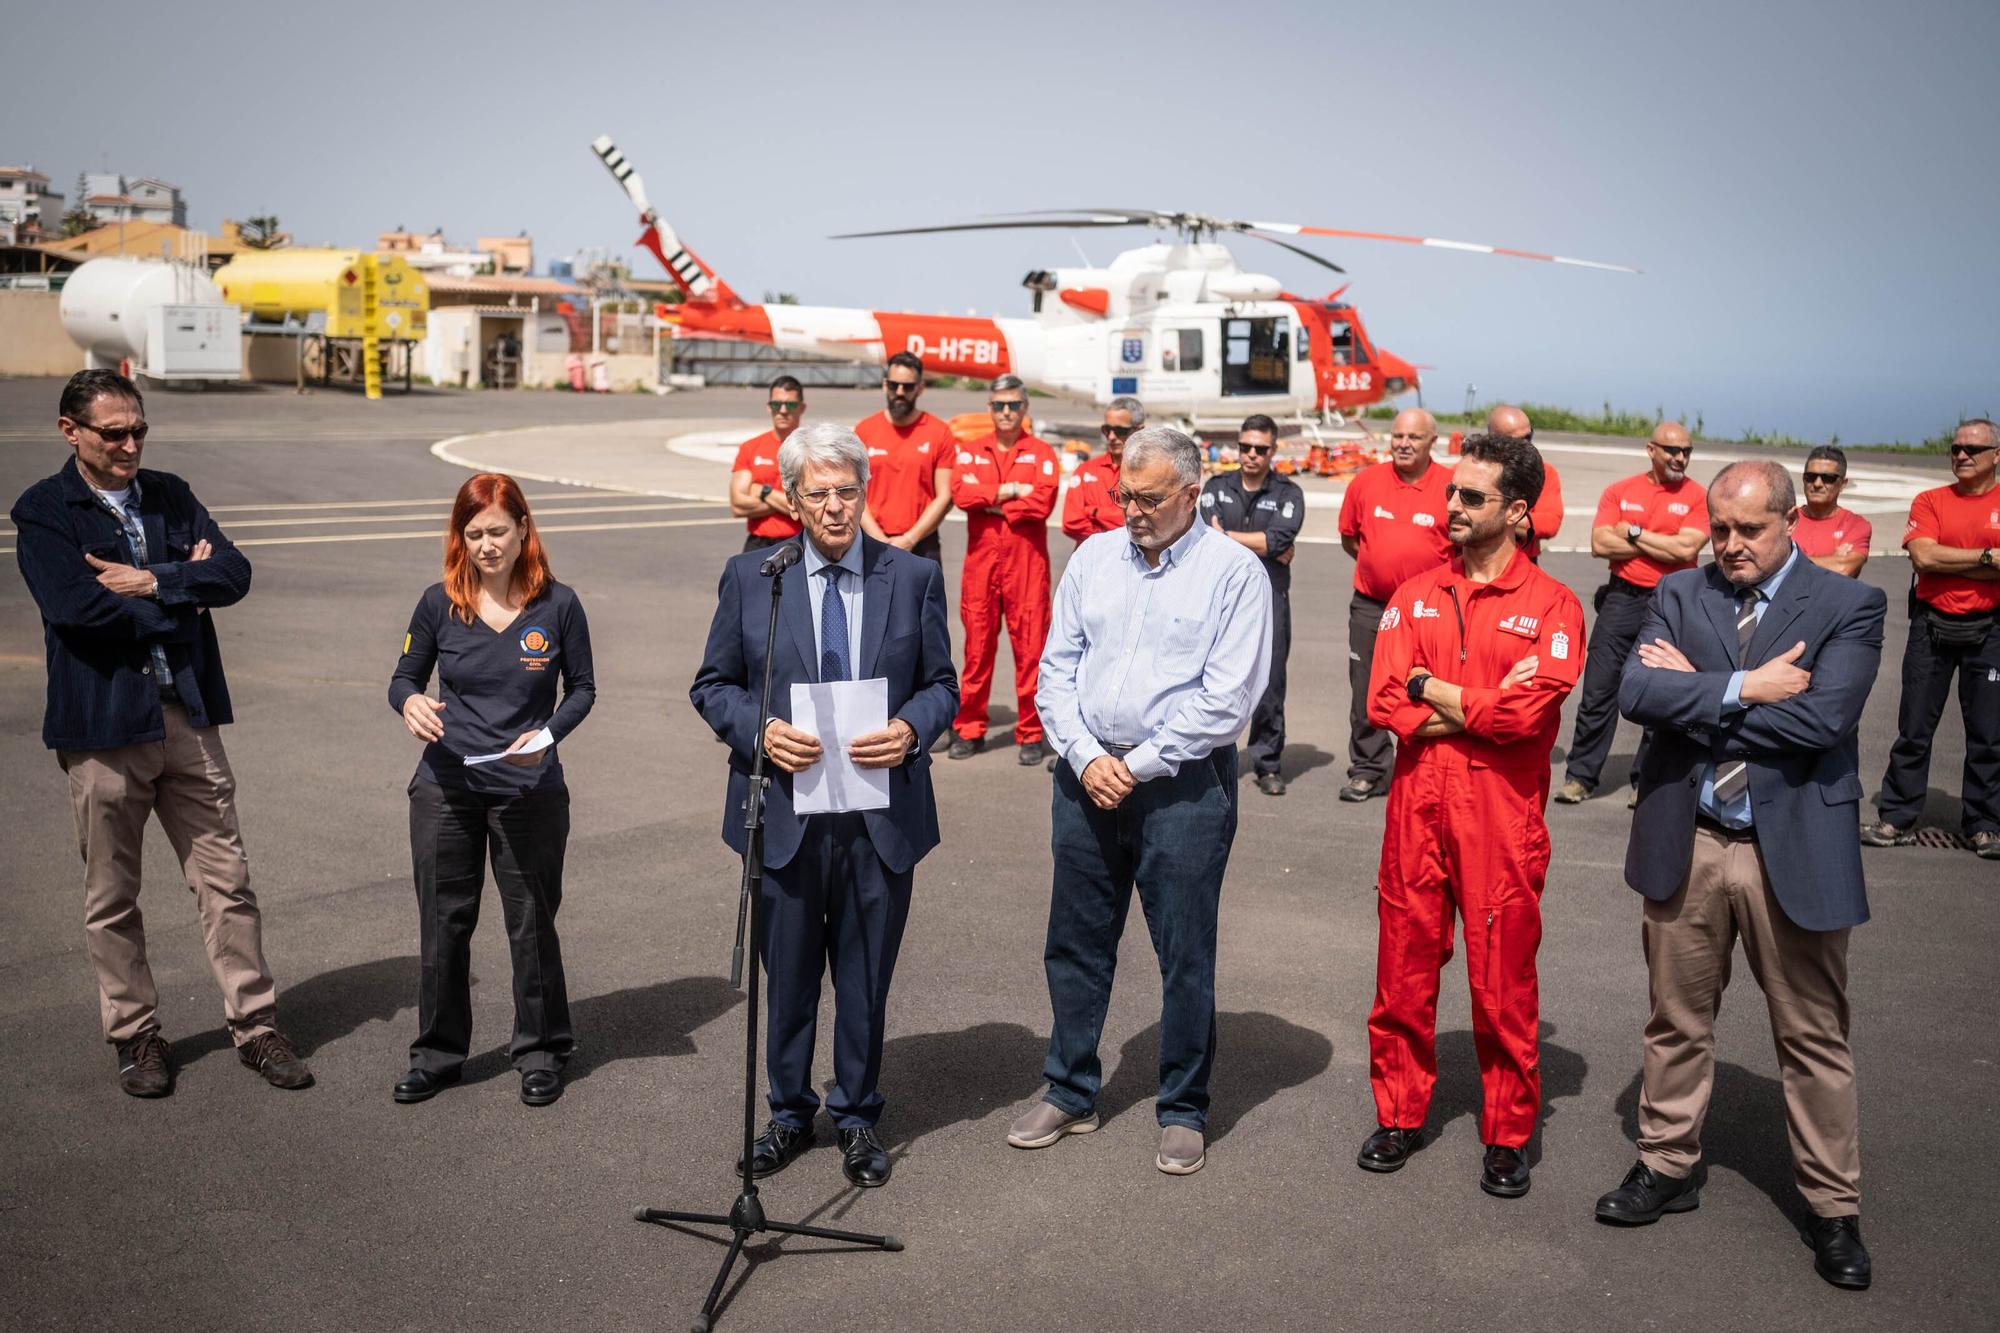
[833,628]
[1733,777]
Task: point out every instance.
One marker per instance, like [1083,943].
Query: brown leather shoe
[145,1065]
[273,1057]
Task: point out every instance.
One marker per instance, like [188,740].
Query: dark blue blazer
[904,638]
[1804,792]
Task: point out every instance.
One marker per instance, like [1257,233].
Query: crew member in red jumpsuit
[1006,483]
[1472,663]
[1091,505]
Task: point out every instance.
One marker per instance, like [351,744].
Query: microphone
[782,559]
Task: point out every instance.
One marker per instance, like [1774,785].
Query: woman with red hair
[500,632]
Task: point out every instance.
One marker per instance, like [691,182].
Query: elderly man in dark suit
[836,886]
[1752,673]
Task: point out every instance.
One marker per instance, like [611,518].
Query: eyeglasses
[1673,450]
[781,405]
[815,499]
[1957,450]
[1116,432]
[1824,478]
[1147,503]
[118,434]
[1415,437]
[1007,405]
[1255,448]
[899,386]
[1470,498]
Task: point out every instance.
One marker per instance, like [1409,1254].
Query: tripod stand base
[746,1219]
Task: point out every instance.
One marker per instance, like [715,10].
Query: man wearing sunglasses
[1091,506]
[125,565]
[909,464]
[1648,527]
[1006,483]
[1392,522]
[1546,518]
[756,493]
[1832,537]
[1472,665]
[1264,512]
[1953,539]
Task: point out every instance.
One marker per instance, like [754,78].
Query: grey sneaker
[1183,1151]
[1882,833]
[1045,1122]
[1986,843]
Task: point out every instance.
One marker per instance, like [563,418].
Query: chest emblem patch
[1525,626]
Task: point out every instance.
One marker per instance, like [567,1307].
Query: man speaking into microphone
[837,885]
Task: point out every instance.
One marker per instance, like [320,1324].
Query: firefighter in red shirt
[1471,667]
[1006,483]
[1830,535]
[1545,520]
[756,493]
[909,464]
[1091,506]
[1954,543]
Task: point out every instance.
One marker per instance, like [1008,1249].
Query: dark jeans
[1927,672]
[834,905]
[1621,614]
[1370,750]
[1267,722]
[452,831]
[1171,837]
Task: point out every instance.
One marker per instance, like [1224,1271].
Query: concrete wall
[32,341]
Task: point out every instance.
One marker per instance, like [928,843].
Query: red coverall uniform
[1006,573]
[1092,505]
[1464,830]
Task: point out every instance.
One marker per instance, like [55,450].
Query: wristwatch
[1416,687]
[765,494]
[1632,531]
[1986,558]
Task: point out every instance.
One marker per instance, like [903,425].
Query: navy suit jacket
[904,637]
[1804,792]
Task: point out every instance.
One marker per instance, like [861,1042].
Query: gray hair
[1127,403]
[1780,497]
[1009,382]
[1169,443]
[824,442]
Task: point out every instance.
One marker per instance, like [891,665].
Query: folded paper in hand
[543,739]
[838,712]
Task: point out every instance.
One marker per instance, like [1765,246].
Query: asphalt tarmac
[234,1206]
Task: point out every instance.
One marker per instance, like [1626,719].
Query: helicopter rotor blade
[1299,250]
[1295,229]
[986,226]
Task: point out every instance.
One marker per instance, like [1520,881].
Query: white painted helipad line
[539,515]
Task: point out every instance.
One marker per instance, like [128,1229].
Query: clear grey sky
[1812,189]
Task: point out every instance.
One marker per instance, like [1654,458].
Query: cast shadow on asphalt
[1744,1133]
[1257,1056]
[1297,760]
[326,1007]
[1458,1090]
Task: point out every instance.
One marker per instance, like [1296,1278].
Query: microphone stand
[746,1216]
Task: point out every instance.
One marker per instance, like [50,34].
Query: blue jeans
[1171,837]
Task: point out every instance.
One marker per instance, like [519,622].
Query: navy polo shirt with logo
[1278,510]
[496,685]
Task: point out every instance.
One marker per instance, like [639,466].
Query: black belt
[1722,830]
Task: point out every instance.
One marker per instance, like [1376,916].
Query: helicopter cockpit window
[1342,338]
[1236,342]
[1190,350]
[1304,352]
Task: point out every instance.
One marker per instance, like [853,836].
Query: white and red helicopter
[1178,324]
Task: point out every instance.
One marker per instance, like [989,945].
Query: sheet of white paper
[542,741]
[837,712]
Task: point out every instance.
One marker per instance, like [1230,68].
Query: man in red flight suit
[1472,663]
[1006,483]
[909,464]
[1091,506]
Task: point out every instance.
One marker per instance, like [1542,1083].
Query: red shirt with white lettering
[1968,522]
[759,457]
[902,467]
[1091,506]
[1842,532]
[1663,509]
[1399,524]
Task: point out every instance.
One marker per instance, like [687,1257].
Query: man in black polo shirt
[1263,511]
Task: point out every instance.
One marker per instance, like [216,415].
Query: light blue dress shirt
[1736,814]
[850,595]
[1168,661]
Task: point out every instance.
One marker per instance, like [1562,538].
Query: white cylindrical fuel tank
[105,303]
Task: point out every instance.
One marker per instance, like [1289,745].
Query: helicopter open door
[1256,355]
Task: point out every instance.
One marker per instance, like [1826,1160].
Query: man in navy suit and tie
[836,886]
[1752,673]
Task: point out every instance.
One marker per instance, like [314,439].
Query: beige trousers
[1689,939]
[185,779]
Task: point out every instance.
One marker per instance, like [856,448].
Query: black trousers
[452,832]
[1267,720]
[755,543]
[930,548]
[1370,750]
[1621,614]
[1927,673]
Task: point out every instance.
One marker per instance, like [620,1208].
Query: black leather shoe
[1645,1194]
[862,1158]
[1838,1254]
[961,748]
[1505,1172]
[145,1065]
[1358,789]
[1034,752]
[776,1148]
[420,1085]
[1387,1149]
[1270,784]
[539,1087]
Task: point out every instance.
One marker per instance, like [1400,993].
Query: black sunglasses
[1255,448]
[1116,432]
[780,405]
[1674,450]
[1007,405]
[1825,478]
[1957,450]
[117,434]
[897,386]
[1470,498]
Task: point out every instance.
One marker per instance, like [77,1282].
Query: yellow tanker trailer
[352,310]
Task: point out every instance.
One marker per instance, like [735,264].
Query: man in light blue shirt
[1159,651]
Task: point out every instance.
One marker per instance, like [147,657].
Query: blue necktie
[833,628]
